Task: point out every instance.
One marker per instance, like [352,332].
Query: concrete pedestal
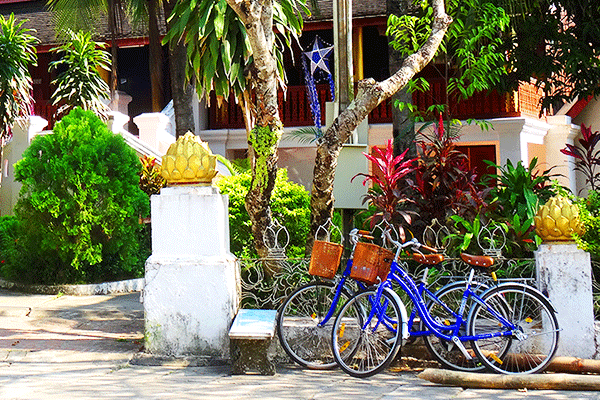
[564,275]
[192,280]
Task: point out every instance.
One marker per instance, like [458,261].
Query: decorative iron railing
[267,282]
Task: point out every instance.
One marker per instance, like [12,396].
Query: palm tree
[233,48]
[17,53]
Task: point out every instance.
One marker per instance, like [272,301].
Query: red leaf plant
[387,194]
[586,155]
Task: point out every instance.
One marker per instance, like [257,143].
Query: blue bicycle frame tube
[398,275]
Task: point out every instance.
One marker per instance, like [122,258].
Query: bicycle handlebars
[356,234]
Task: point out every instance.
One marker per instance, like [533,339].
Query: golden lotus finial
[558,220]
[189,161]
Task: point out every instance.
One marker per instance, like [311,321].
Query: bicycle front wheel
[367,334]
[529,347]
[446,352]
[303,333]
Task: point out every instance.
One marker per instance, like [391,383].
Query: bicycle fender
[405,333]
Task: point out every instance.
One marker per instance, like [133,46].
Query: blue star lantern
[318,68]
[317,57]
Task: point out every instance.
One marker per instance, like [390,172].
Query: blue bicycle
[305,318]
[511,327]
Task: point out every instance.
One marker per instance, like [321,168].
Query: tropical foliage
[79,83]
[470,58]
[151,181]
[586,156]
[218,47]
[17,53]
[520,190]
[555,42]
[387,195]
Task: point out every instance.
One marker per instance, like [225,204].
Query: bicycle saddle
[478,261]
[430,259]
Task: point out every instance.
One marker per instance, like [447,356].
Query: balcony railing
[524,102]
[294,110]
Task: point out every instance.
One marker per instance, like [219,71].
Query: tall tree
[557,44]
[233,46]
[370,94]
[470,59]
[17,53]
[182,89]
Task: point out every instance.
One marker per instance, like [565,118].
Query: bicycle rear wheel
[446,352]
[527,349]
[298,324]
[367,334]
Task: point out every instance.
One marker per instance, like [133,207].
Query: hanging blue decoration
[316,67]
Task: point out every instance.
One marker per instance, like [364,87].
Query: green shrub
[290,204]
[590,216]
[589,209]
[9,255]
[79,205]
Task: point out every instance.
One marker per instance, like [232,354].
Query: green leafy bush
[589,209]
[79,206]
[290,204]
[9,228]
[589,212]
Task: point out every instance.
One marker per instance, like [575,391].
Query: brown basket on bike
[370,262]
[325,259]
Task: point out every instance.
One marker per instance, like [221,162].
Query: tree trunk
[182,91]
[495,381]
[112,27]
[264,138]
[402,129]
[370,95]
[156,57]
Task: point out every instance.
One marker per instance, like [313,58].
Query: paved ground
[89,347]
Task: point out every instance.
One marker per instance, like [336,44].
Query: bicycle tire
[530,348]
[362,351]
[300,335]
[446,352]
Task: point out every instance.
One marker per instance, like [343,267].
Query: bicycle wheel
[367,335]
[527,349]
[300,335]
[446,352]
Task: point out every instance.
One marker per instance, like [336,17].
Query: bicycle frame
[400,276]
[338,291]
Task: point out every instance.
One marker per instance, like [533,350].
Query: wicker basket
[371,261]
[325,259]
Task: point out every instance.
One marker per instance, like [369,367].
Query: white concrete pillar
[192,287]
[23,131]
[153,131]
[562,131]
[116,121]
[564,274]
[120,102]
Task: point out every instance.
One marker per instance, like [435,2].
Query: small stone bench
[251,335]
